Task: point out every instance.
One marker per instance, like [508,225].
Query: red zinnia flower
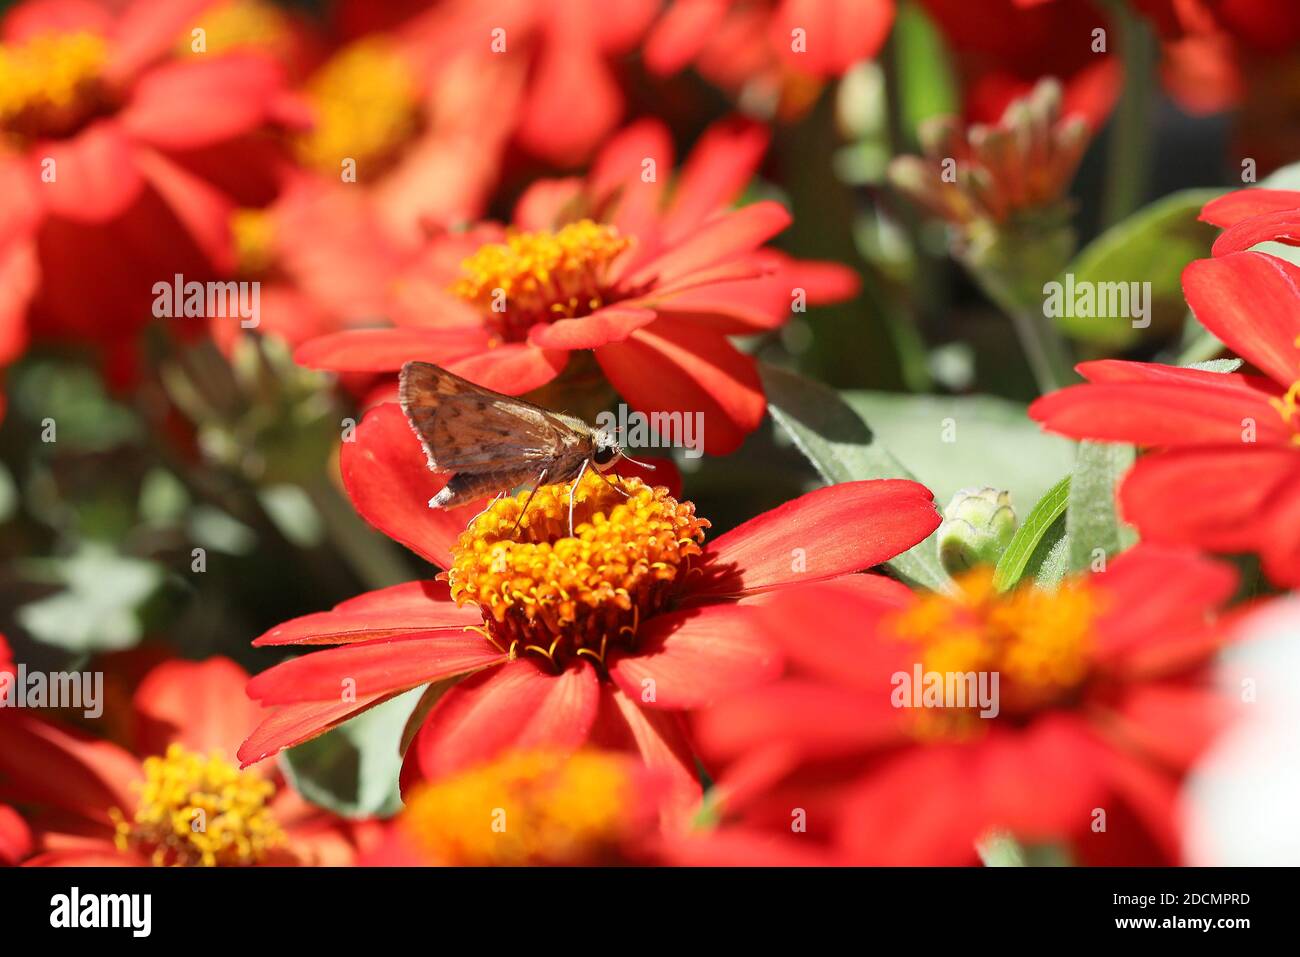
[653,284]
[15,836]
[1101,706]
[557,640]
[95,803]
[1227,446]
[756,47]
[95,113]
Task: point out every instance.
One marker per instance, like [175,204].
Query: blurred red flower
[15,835]
[1226,459]
[653,283]
[777,49]
[1102,705]
[552,651]
[96,114]
[95,803]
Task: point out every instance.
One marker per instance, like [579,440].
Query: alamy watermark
[919,688]
[208,300]
[1084,299]
[54,689]
[657,430]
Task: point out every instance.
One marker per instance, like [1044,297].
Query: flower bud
[977,527]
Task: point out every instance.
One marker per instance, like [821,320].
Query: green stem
[1040,339]
[1128,159]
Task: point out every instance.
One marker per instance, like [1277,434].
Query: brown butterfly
[493,443]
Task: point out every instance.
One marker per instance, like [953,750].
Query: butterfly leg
[495,498]
[613,485]
[573,490]
[541,480]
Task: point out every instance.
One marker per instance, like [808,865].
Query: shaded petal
[515,706]
[513,369]
[386,613]
[1245,204]
[199,704]
[719,167]
[672,367]
[724,236]
[387,350]
[1281,227]
[96,177]
[65,769]
[692,657]
[386,476]
[659,737]
[293,724]
[840,529]
[146,30]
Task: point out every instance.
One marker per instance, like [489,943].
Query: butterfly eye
[604,456]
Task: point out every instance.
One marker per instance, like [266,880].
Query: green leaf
[842,448]
[97,608]
[953,442]
[353,769]
[1041,531]
[1093,521]
[1153,245]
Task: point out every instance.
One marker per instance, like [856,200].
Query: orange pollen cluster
[1288,406]
[526,808]
[542,276]
[556,595]
[1037,641]
[52,85]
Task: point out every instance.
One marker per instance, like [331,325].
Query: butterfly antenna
[644,465]
[573,490]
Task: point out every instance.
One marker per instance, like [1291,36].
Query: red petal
[514,369]
[293,724]
[1216,498]
[202,100]
[828,532]
[15,837]
[386,476]
[1281,227]
[660,740]
[202,210]
[611,324]
[387,350]
[671,367]
[723,237]
[386,613]
[689,659]
[681,33]
[512,707]
[838,33]
[65,769]
[95,174]
[36,17]
[1248,203]
[200,704]
[716,172]
[367,669]
[1251,301]
[1158,413]
[146,30]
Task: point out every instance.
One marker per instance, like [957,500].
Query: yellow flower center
[367,109]
[52,84]
[558,595]
[241,25]
[542,276]
[1037,641]
[253,232]
[197,811]
[526,808]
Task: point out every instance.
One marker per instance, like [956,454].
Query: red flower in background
[653,282]
[94,803]
[15,836]
[779,48]
[558,641]
[1227,446]
[1103,703]
[95,111]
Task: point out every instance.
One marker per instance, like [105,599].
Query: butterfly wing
[491,441]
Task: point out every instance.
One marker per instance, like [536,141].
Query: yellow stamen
[242,25]
[555,595]
[197,811]
[1038,641]
[542,276]
[253,231]
[525,808]
[52,84]
[366,109]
